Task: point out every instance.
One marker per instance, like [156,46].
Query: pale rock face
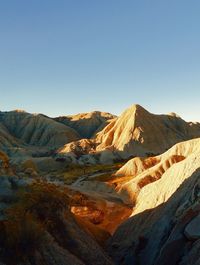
[136,166]
[138,132]
[148,170]
[165,207]
[81,147]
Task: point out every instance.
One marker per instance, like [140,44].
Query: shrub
[24,229]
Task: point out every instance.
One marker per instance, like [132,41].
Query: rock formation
[87,124]
[146,212]
[36,129]
[135,133]
[166,205]
[139,133]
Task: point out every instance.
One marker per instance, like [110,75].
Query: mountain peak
[136,108]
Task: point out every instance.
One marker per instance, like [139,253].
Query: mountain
[6,139]
[87,124]
[136,132]
[57,206]
[139,132]
[19,127]
[167,206]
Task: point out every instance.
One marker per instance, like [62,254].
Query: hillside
[36,129]
[139,132]
[166,198]
[129,195]
[87,124]
[136,132]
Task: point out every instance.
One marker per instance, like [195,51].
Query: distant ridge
[87,124]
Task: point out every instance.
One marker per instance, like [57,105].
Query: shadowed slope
[36,129]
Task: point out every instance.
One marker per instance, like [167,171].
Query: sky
[61,57]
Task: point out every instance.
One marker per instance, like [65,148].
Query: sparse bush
[27,221]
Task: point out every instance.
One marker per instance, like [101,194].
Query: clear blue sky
[69,56]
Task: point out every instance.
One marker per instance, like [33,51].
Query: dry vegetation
[75,171]
[27,221]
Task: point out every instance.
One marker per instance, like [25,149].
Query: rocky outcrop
[78,148]
[165,208]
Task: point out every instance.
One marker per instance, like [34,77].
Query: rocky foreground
[99,189]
